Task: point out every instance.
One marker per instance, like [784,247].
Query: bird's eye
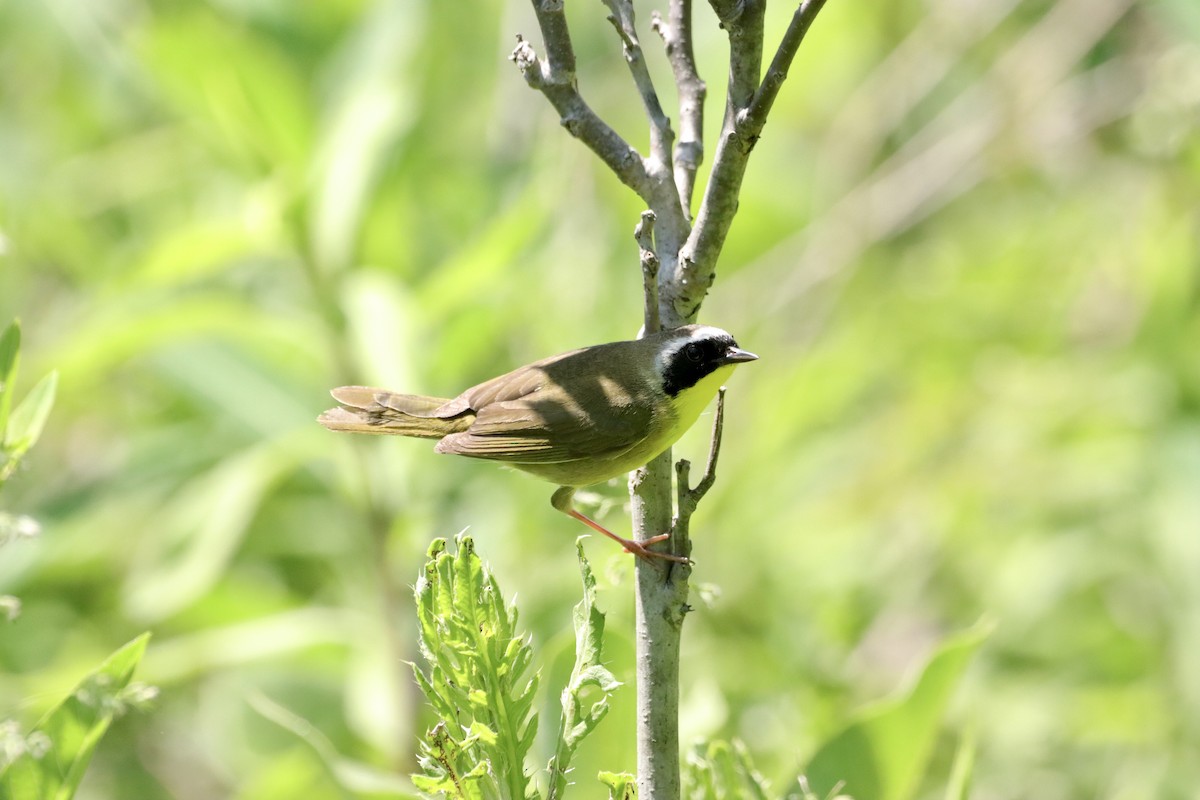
[694,353]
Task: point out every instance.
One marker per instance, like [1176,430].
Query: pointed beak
[736,355]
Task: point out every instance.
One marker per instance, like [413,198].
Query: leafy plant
[475,682]
[49,762]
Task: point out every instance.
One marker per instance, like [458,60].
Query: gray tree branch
[554,77]
[745,115]
[688,497]
[764,97]
[661,135]
[676,33]
[644,235]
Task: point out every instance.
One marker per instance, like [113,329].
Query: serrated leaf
[431,785]
[530,734]
[599,676]
[577,721]
[482,732]
[621,785]
[475,659]
[29,417]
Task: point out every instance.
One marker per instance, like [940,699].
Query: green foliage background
[966,252]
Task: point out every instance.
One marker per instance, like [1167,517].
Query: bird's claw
[639,549]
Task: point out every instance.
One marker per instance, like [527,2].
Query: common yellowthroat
[573,419]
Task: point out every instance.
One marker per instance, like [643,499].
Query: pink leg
[637,548]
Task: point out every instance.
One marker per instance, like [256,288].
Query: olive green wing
[570,407]
[539,430]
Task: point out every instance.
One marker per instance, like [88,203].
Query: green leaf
[621,785]
[72,729]
[580,719]
[10,348]
[27,420]
[883,754]
[476,659]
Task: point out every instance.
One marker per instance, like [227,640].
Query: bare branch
[743,22]
[554,77]
[661,135]
[689,497]
[644,234]
[676,34]
[745,117]
[756,115]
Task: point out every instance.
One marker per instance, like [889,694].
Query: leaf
[72,729]
[621,785]
[476,659]
[27,420]
[883,754]
[580,719]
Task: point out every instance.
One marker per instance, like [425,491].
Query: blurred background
[966,253]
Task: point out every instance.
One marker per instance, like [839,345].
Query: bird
[575,419]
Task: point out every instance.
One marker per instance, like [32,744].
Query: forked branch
[756,114]
[661,135]
[689,497]
[554,77]
[676,33]
[745,116]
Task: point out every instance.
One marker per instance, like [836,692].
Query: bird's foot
[639,549]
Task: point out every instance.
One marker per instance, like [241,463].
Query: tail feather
[368,410]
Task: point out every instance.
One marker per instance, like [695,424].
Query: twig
[661,135]
[689,497]
[755,116]
[744,120]
[743,22]
[676,34]
[554,77]
[644,234]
